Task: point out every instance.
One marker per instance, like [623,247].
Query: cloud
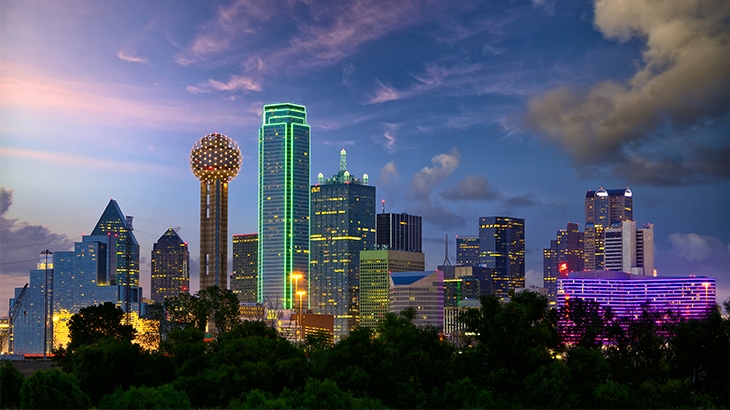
[692,246]
[471,188]
[90,163]
[130,58]
[533,278]
[388,140]
[383,94]
[682,82]
[235,83]
[96,102]
[21,246]
[425,180]
[521,201]
[439,216]
[389,173]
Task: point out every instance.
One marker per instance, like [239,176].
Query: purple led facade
[687,297]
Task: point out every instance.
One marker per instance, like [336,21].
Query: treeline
[513,359]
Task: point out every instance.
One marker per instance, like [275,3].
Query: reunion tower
[215,160]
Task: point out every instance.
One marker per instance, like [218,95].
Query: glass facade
[244,281]
[375,269]
[124,249]
[283,210]
[342,225]
[170,262]
[467,250]
[604,207]
[422,291]
[565,255]
[400,232]
[502,248]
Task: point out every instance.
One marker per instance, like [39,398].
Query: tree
[97,322]
[52,389]
[162,397]
[212,306]
[11,380]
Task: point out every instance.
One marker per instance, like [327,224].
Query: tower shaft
[213,234]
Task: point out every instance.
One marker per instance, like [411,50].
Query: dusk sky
[456,111]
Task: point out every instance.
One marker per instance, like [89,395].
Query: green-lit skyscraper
[343,224]
[283,211]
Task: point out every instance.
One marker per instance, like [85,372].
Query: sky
[455,111]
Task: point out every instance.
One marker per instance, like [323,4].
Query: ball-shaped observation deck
[215,157]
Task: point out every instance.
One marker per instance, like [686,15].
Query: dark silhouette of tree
[97,322]
[162,397]
[11,380]
[52,389]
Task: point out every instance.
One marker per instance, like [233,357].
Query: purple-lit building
[689,297]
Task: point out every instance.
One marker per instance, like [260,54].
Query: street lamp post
[301,294]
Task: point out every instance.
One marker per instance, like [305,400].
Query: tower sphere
[215,157]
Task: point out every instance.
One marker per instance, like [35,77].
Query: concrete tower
[215,160]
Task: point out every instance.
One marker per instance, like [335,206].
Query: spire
[447,262]
[343,160]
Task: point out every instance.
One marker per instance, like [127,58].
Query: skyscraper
[123,247]
[628,249]
[375,269]
[400,232]
[565,255]
[283,209]
[603,209]
[422,291]
[215,160]
[170,264]
[244,281]
[342,225]
[502,248]
[467,250]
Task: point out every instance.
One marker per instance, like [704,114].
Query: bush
[52,389]
[11,380]
[163,397]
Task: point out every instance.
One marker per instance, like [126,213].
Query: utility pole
[46,290]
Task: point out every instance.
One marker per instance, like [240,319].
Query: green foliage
[215,306]
[98,322]
[162,397]
[11,380]
[52,389]
[108,364]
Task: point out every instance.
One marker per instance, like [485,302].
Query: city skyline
[455,111]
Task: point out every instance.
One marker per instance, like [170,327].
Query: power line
[12,263]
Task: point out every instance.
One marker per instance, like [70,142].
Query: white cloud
[384,93]
[425,180]
[389,172]
[235,83]
[691,246]
[130,58]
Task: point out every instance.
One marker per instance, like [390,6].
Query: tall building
[565,255]
[422,291]
[375,269]
[123,247]
[342,225]
[502,248]
[604,207]
[215,160]
[79,278]
[244,281]
[400,232]
[170,267]
[467,250]
[283,209]
[628,249]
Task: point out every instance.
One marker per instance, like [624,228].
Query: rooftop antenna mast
[383,203]
[447,262]
[343,160]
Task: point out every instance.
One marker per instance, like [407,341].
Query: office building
[244,280]
[467,250]
[400,232]
[502,248]
[77,279]
[375,269]
[629,249]
[215,160]
[689,297]
[123,247]
[422,291]
[283,208]
[342,224]
[565,255]
[170,267]
[604,207]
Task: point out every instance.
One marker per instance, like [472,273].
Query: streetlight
[301,294]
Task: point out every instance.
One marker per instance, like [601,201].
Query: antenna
[447,262]
[383,203]
[343,160]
